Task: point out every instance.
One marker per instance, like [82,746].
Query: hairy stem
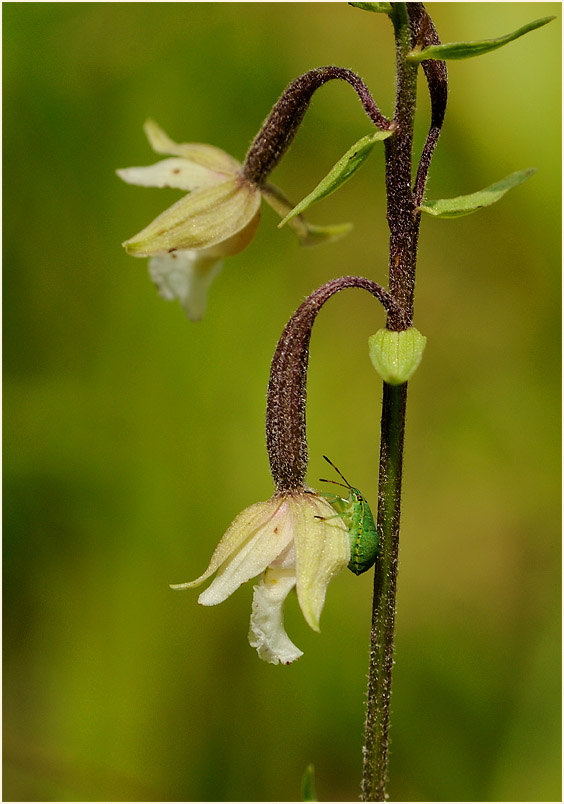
[402,216]
[412,25]
[384,607]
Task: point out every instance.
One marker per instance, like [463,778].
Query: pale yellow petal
[265,543]
[237,242]
[242,528]
[202,219]
[202,154]
[322,551]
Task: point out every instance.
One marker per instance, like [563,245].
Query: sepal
[202,219]
[208,156]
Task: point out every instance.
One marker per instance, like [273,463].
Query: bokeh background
[133,437]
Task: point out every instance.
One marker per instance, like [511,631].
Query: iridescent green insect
[357,516]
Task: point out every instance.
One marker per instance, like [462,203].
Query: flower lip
[186,276]
[266,630]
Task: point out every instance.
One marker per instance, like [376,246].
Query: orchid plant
[301,538]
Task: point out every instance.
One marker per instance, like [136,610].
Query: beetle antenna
[338,472]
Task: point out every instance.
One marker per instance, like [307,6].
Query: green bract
[465,204]
[466,50]
[308,784]
[341,172]
[379,8]
[396,355]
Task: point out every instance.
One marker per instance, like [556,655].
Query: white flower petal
[178,173]
[263,546]
[266,632]
[186,276]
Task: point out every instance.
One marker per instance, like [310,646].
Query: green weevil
[357,516]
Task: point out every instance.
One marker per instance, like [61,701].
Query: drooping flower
[294,539]
[218,218]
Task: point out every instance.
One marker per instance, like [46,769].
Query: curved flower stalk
[294,539]
[218,218]
[281,125]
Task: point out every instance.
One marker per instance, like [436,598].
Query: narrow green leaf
[308,785]
[379,8]
[465,204]
[341,172]
[465,50]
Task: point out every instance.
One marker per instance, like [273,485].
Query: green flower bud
[396,355]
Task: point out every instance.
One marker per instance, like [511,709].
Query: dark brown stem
[403,201]
[286,399]
[403,219]
[281,125]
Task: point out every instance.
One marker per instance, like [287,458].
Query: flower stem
[412,25]
[375,768]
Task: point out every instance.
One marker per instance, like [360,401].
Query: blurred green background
[133,437]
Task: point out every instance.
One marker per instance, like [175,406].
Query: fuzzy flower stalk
[293,540]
